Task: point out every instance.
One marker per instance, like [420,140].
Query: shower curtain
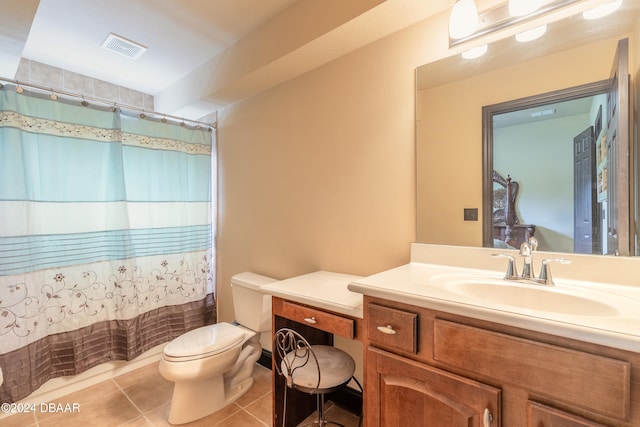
[106,235]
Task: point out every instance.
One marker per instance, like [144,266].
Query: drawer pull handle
[311,320]
[387,330]
[487,418]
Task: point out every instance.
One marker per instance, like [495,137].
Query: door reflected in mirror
[552,155]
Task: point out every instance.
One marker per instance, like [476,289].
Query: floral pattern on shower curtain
[106,236]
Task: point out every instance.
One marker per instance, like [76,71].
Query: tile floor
[142,398]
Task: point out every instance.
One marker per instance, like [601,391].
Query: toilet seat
[204,342]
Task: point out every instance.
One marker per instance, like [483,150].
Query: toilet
[212,366]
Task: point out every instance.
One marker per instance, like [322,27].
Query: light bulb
[475,52]
[602,10]
[523,7]
[532,34]
[464,19]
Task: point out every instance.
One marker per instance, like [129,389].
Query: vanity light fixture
[499,22]
[523,7]
[532,34]
[463,20]
[602,10]
[475,52]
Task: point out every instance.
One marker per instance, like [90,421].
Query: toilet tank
[252,307]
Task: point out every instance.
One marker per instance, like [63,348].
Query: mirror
[451,93]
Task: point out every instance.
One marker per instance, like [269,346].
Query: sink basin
[538,299]
[550,299]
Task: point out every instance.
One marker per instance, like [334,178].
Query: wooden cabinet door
[402,392]
[539,415]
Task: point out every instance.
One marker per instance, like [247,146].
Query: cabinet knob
[487,418]
[387,330]
[311,320]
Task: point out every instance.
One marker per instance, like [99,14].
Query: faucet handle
[545,271]
[533,242]
[511,267]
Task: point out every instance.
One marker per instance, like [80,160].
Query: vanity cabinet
[426,367]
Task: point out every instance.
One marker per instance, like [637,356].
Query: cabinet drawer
[319,319]
[393,328]
[539,415]
[589,381]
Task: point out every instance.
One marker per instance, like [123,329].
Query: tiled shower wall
[56,78]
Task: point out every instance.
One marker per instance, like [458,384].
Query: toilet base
[187,403]
[196,399]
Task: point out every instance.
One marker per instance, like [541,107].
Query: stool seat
[335,365]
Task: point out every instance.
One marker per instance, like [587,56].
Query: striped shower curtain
[105,236]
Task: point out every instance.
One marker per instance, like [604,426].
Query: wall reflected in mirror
[449,135]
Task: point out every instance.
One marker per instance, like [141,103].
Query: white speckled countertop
[322,289]
[418,283]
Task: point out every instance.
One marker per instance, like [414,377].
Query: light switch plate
[470,214]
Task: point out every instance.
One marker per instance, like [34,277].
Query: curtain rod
[142,111]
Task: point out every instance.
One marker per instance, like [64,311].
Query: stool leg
[320,406]
[320,421]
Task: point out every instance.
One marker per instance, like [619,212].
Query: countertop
[417,283]
[323,289]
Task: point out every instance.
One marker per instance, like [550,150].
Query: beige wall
[450,121]
[318,173]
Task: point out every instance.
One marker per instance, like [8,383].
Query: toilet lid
[207,340]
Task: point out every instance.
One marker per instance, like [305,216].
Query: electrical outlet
[470,214]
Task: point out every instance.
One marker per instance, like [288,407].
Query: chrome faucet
[527,257]
[528,276]
[526,252]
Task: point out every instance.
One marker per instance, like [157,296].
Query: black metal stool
[313,369]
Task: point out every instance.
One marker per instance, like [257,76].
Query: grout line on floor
[253,416]
[239,408]
[255,400]
[140,413]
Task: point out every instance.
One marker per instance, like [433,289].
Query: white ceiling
[179,35]
[187,38]
[551,111]
[182,36]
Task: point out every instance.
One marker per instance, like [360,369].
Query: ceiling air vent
[122,46]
